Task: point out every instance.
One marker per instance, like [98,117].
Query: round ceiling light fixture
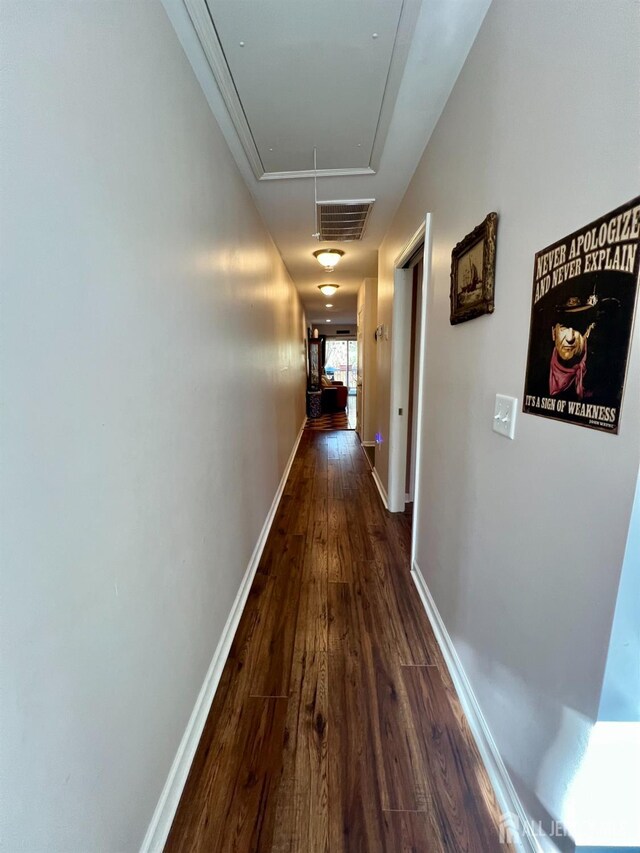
[328,258]
[327,289]
[329,305]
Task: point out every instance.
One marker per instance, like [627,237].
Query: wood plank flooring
[335,727]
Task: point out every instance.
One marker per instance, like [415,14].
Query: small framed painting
[473,262]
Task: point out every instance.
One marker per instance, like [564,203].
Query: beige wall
[383,363]
[152,388]
[368,302]
[521,542]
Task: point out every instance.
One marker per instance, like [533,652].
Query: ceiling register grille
[343,221]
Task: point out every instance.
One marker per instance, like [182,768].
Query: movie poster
[584,295]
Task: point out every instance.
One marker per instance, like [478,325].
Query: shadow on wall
[541,776]
[620,699]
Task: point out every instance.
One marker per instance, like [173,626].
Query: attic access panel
[298,74]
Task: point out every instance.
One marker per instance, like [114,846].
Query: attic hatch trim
[204,25]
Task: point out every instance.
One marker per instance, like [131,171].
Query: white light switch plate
[504,416]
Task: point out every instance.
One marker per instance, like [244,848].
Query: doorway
[360,377]
[341,365]
[410,287]
[341,362]
[414,355]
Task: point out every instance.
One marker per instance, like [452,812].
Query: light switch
[504,416]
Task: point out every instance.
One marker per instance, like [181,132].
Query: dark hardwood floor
[335,726]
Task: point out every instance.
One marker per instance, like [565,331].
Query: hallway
[335,726]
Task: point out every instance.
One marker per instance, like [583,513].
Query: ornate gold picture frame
[473,262]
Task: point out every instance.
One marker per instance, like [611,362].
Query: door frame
[360,372]
[400,359]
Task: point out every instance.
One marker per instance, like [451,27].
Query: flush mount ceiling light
[328,289]
[328,258]
[329,305]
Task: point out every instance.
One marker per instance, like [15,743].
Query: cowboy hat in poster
[584,295]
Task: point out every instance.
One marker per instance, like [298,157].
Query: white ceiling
[285,76]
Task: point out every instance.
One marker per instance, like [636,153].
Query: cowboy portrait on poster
[583,302]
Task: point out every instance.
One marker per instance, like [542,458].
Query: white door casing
[400,359]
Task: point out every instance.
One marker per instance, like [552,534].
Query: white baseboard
[162,819]
[515,816]
[381,488]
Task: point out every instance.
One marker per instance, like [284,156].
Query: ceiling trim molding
[315,173]
[402,42]
[205,28]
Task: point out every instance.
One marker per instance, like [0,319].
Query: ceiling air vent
[343,221]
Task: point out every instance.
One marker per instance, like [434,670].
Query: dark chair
[334,397]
